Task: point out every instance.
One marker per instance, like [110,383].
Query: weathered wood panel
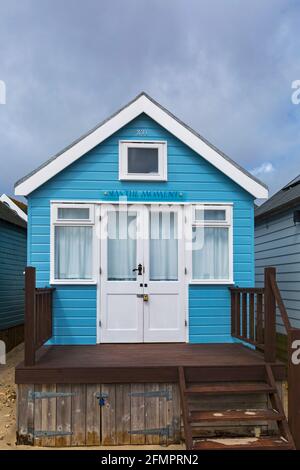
[63,415]
[123,414]
[78,414]
[25,417]
[93,435]
[137,414]
[108,416]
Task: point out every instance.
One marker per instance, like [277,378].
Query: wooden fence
[38,316]
[253,321]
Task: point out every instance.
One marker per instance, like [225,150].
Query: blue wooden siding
[12,265]
[277,243]
[97,172]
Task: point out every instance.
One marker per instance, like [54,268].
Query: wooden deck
[128,363]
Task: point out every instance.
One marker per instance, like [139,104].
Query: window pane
[73,252]
[163,246]
[210,253]
[71,213]
[142,160]
[210,214]
[121,253]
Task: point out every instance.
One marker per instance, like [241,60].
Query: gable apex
[142,103]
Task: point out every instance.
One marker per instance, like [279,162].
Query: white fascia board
[4,198]
[127,114]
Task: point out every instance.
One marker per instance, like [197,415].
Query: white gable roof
[141,104]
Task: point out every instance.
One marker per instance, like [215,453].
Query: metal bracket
[42,395]
[167,394]
[39,434]
[168,431]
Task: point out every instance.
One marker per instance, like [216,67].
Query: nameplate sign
[133,195]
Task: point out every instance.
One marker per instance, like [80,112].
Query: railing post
[29,326]
[270,317]
[294,384]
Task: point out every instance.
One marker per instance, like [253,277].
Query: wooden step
[232,388]
[235,415]
[245,443]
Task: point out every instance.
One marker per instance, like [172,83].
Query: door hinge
[185,323]
[100,218]
[185,271]
[40,434]
[167,394]
[100,270]
[43,395]
[167,431]
[100,323]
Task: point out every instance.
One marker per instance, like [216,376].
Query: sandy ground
[8,411]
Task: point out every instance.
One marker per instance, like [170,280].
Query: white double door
[142,292]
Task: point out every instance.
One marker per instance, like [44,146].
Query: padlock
[146,297]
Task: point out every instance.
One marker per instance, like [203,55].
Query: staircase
[282,440]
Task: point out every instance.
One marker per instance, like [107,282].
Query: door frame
[185,288]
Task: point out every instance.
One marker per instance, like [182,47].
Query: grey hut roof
[285,198]
[9,215]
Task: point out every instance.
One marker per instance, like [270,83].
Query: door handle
[139,269]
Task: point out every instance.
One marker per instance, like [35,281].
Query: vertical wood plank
[93,437]
[233,312]
[270,316]
[259,319]
[63,415]
[48,415]
[137,414]
[238,313]
[165,413]
[244,314]
[108,416]
[152,410]
[123,420]
[25,412]
[176,420]
[251,316]
[78,415]
[38,413]
[29,320]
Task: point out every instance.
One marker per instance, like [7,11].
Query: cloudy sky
[225,67]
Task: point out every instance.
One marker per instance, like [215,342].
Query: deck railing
[253,321]
[38,316]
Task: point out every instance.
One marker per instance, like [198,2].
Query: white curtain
[121,250]
[73,213]
[210,253]
[163,246]
[73,252]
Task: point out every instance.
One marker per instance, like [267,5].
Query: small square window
[143,161]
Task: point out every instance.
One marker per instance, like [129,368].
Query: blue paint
[96,173]
[12,265]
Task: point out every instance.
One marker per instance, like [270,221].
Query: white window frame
[124,145]
[227,223]
[54,222]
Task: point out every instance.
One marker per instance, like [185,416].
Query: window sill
[212,282]
[71,282]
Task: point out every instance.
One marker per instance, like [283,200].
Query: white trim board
[142,104]
[7,200]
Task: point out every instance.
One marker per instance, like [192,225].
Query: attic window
[143,161]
